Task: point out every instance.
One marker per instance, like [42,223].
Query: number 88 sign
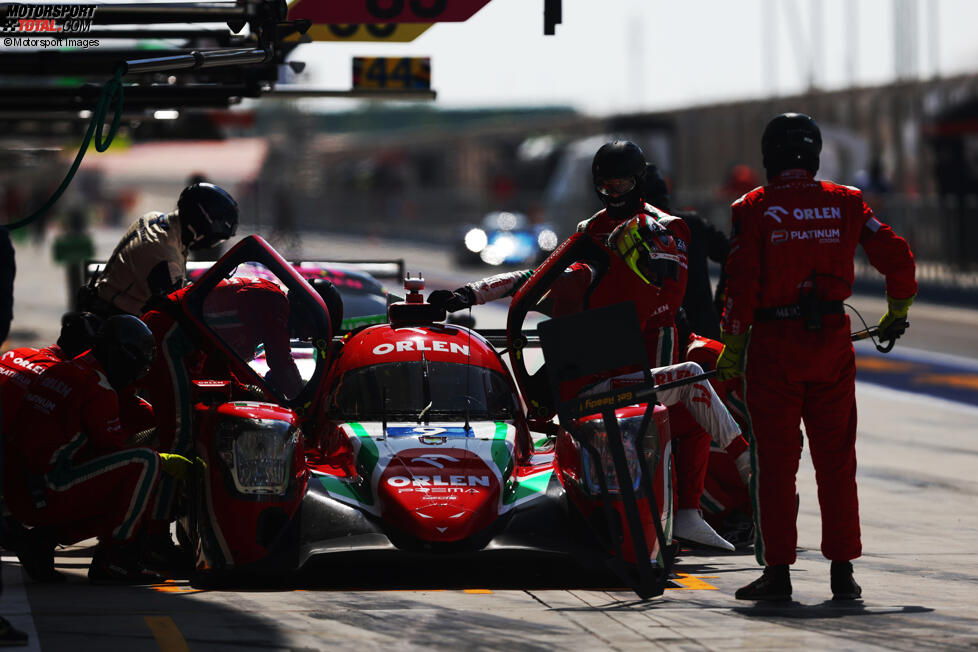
[404,73]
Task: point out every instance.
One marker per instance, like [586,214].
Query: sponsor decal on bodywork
[492,442]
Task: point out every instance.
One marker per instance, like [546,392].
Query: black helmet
[301,317]
[125,348]
[208,215]
[618,170]
[656,190]
[332,299]
[791,140]
[78,332]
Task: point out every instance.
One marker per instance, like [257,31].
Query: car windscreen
[403,390]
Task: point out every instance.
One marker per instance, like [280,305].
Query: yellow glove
[177,466]
[730,362]
[894,322]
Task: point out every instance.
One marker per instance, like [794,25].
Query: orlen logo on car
[776,213]
[420,345]
[779,236]
[438,472]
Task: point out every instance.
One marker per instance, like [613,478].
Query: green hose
[111,97]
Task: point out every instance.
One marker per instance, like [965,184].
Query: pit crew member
[648,268]
[244,313]
[68,469]
[151,258]
[789,270]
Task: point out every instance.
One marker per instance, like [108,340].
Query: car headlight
[594,430]
[476,240]
[258,453]
[547,240]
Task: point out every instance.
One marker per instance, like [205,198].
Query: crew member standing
[151,258]
[789,270]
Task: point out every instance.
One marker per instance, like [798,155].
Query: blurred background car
[505,238]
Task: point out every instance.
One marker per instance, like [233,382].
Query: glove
[177,466]
[451,301]
[731,358]
[894,322]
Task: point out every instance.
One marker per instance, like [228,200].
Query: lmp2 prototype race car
[410,437]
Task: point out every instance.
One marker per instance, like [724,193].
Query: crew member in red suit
[724,498]
[648,266]
[244,313]
[789,270]
[68,468]
[17,368]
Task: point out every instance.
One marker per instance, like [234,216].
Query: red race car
[409,437]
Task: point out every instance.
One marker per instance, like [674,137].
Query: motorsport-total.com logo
[47,19]
[55,23]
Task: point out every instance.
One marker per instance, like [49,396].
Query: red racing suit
[573,291]
[722,490]
[17,368]
[244,313]
[657,309]
[792,237]
[66,463]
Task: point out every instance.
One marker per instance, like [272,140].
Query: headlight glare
[547,240]
[258,453]
[476,240]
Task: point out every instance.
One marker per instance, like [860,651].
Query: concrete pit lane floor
[919,511]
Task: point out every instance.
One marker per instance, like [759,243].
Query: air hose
[111,98]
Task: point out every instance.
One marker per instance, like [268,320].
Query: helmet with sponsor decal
[647,248]
[125,348]
[618,170]
[208,215]
[791,140]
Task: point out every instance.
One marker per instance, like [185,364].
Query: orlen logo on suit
[823,213]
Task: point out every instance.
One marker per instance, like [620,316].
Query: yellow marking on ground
[690,583]
[166,633]
[170,586]
[478,591]
[963,381]
[879,364]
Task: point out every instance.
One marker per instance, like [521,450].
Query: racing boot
[690,527]
[35,551]
[119,564]
[844,587]
[738,529]
[12,533]
[773,585]
[158,552]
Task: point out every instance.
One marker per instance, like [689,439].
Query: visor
[616,187]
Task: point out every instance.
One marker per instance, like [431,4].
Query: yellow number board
[402,73]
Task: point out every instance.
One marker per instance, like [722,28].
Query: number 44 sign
[385,11]
[401,73]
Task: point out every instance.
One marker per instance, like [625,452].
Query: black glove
[460,299]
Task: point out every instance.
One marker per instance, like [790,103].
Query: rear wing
[379,269]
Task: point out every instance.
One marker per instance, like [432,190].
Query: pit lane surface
[917,457]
